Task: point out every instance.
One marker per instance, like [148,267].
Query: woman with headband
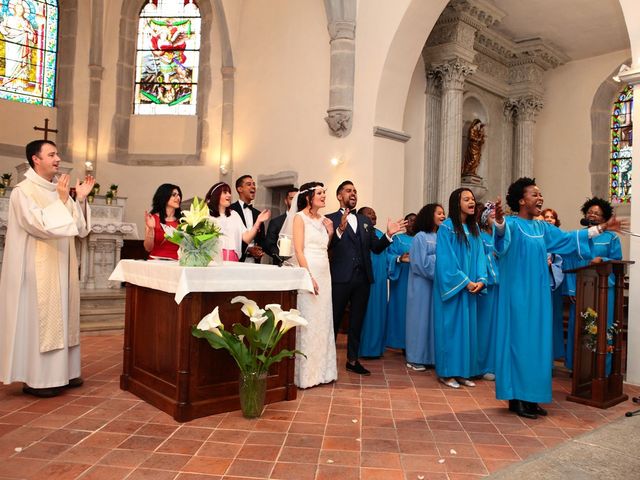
[234,232]
[311,234]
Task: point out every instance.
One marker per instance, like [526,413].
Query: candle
[284,246]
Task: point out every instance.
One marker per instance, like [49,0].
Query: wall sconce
[88,166]
[335,161]
[623,68]
[223,169]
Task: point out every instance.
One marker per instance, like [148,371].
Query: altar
[181,375]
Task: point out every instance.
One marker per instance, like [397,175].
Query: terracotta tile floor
[395,424]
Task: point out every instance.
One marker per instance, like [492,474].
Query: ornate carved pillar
[525,110]
[341,15]
[452,75]
[91,274]
[432,125]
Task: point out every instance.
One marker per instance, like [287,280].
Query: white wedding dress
[316,340]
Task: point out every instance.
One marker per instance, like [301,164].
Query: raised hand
[343,220]
[84,189]
[149,221]
[399,226]
[264,216]
[616,225]
[62,187]
[499,211]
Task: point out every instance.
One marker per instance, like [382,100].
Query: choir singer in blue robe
[375,320]
[420,339]
[461,274]
[524,331]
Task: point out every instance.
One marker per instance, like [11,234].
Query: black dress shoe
[75,383]
[41,392]
[357,368]
[519,408]
[536,409]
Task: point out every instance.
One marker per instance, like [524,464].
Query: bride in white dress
[311,235]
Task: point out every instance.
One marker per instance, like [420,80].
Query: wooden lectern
[591,385]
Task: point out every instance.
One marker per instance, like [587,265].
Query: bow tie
[351,212]
[247,205]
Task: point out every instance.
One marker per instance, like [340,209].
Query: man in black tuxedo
[350,262]
[275,225]
[246,188]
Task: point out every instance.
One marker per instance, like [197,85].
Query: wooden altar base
[182,375]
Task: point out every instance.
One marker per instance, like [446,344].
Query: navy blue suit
[352,275]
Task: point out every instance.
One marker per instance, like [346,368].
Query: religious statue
[474,148]
[19,31]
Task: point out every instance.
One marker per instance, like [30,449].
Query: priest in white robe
[39,287]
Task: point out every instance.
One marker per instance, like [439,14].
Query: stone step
[102,309]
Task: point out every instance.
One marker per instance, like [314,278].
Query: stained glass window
[621,147]
[28,49]
[167,58]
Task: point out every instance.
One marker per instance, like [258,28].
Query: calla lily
[258,321]
[211,323]
[291,319]
[249,307]
[276,309]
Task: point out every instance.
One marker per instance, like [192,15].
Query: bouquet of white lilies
[253,346]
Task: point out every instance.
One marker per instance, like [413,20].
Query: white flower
[249,307]
[198,211]
[276,309]
[211,323]
[291,319]
[259,320]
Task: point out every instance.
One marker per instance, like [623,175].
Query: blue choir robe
[556,277]
[420,340]
[375,320]
[398,274]
[525,316]
[488,310]
[455,309]
[607,246]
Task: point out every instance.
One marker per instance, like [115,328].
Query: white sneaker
[449,382]
[489,376]
[416,367]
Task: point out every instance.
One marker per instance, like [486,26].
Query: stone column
[507,149]
[226,136]
[433,107]
[95,86]
[91,274]
[452,75]
[525,110]
[341,15]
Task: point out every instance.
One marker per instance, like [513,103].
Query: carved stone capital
[453,74]
[434,83]
[342,30]
[525,108]
[339,121]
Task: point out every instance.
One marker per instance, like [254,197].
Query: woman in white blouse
[234,232]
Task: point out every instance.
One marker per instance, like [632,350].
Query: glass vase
[253,387]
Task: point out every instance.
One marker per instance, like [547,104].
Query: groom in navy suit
[350,262]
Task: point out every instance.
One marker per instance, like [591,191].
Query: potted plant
[96,189]
[108,197]
[196,235]
[6,179]
[114,189]
[253,347]
[3,190]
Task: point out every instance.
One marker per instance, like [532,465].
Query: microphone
[585,222]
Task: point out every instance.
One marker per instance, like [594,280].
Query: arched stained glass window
[167,58]
[28,50]
[621,147]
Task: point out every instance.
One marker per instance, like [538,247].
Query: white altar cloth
[168,276]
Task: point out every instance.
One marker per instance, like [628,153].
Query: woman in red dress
[165,210]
